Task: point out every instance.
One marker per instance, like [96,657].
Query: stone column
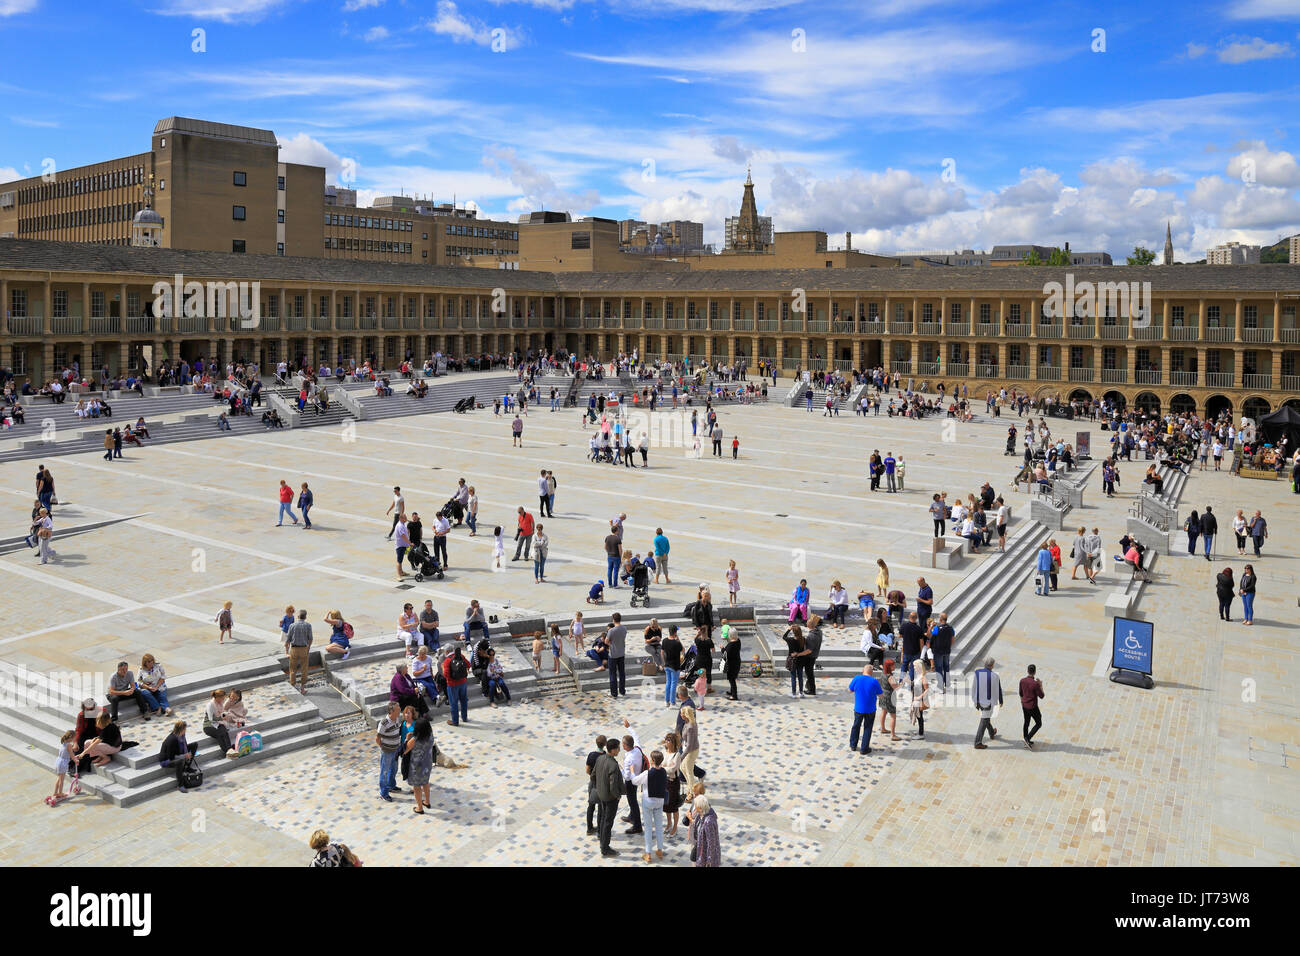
[1236,318]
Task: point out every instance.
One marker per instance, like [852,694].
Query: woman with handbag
[796,651]
[672,745]
[921,694]
[705,849]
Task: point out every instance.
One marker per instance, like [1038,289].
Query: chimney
[848,241]
[1067,248]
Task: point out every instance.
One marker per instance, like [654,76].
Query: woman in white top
[408,628]
[921,694]
[1239,529]
[1001,523]
[839,606]
[471,512]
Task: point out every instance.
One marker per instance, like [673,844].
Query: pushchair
[1011,443]
[423,562]
[454,510]
[640,586]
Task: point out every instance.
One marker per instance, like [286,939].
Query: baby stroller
[454,510]
[423,562]
[1011,443]
[640,586]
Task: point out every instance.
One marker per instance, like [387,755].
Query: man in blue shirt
[889,469]
[924,603]
[661,555]
[865,690]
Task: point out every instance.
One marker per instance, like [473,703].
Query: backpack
[457,669]
[688,612]
[347,630]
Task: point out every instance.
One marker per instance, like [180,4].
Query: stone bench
[1121,601]
[943,553]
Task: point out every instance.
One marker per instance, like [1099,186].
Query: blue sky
[914,124]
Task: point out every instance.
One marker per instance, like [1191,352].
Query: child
[557,646]
[701,686]
[596,594]
[287,620]
[538,644]
[575,632]
[733,583]
[735,448]
[67,750]
[498,548]
[225,621]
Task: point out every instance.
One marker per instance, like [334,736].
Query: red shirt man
[286,493]
[525,523]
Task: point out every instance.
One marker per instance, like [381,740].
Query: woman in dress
[672,764]
[733,584]
[921,694]
[420,747]
[882,578]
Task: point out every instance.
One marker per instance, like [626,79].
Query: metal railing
[1219,379]
[1183,333]
[1018,371]
[1049,330]
[1148,333]
[960,369]
[1081,374]
[986,370]
[1291,336]
[1082,330]
[1146,376]
[902,366]
[1257,380]
[986,328]
[1220,333]
[1178,378]
[927,368]
[931,328]
[768,325]
[1049,373]
[900,327]
[1264,334]
[1116,376]
[1018,330]
[134,324]
[1114,331]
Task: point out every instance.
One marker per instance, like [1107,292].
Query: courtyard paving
[1202,769]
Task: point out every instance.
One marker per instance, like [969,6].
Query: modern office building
[1210,338]
[222,188]
[1232,254]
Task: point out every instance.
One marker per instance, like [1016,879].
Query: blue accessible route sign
[1131,647]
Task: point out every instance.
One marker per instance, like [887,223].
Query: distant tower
[749,237]
[1169,246]
[147,225]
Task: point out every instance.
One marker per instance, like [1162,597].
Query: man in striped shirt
[388,736]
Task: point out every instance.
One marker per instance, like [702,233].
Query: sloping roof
[194,127]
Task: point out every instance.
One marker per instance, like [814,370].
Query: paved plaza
[1200,770]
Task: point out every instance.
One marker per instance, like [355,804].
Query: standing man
[441,528]
[608,782]
[297,646]
[865,690]
[616,637]
[429,627]
[387,736]
[524,536]
[1044,569]
[551,485]
[716,434]
[613,556]
[1209,528]
[1031,691]
[286,503]
[517,431]
[661,555]
[941,647]
[634,762]
[396,508]
[986,692]
[1258,529]
[305,500]
[890,465]
[924,604]
[543,494]
[403,542]
[912,636]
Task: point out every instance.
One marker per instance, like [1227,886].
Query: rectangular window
[236,245]
[580,240]
[279,183]
[1212,314]
[1250,316]
[241,179]
[986,312]
[238,213]
[133,303]
[18,304]
[279,248]
[97,303]
[60,298]
[1176,315]
[927,312]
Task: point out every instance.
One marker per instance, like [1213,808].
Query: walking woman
[1224,586]
[797,651]
[690,746]
[731,660]
[420,748]
[1246,587]
[672,766]
[921,695]
[1193,528]
[705,850]
[471,512]
[1239,531]
[1079,551]
[882,576]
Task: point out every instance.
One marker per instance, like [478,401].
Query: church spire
[1169,246]
[749,235]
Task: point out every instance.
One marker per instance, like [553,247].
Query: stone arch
[1117,398]
[1079,395]
[1294,403]
[1148,402]
[1182,404]
[1255,407]
[1216,405]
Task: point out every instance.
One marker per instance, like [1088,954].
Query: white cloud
[1264,10]
[539,190]
[1256,48]
[9,8]
[374,34]
[8,174]
[312,152]
[271,84]
[40,123]
[450,22]
[1195,50]
[352,6]
[225,11]
[1258,164]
